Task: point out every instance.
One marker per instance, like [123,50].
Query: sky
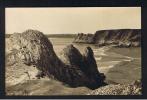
[72,20]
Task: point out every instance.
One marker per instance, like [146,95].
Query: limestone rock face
[32,47]
[84,38]
[117,37]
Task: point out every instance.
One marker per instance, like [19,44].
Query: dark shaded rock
[90,62]
[72,56]
[32,47]
[91,68]
[86,63]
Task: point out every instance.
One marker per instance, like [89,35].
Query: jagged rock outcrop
[72,56]
[86,63]
[32,47]
[91,66]
[119,89]
[119,38]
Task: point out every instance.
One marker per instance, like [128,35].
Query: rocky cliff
[33,48]
[84,38]
[119,37]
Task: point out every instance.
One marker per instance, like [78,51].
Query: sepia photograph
[73,51]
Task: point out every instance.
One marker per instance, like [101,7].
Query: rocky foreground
[119,89]
[30,56]
[117,37]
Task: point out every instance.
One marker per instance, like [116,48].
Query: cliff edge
[116,37]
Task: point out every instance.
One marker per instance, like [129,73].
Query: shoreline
[117,65]
[103,53]
[110,65]
[130,62]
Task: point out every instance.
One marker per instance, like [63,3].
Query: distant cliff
[84,38]
[117,37]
